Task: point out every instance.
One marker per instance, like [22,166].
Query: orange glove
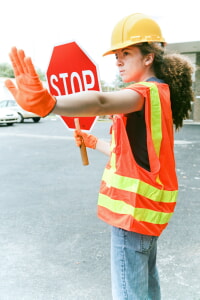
[29,93]
[89,140]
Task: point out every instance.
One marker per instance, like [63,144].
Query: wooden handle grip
[83,149]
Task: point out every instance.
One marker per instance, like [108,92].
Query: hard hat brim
[131,43]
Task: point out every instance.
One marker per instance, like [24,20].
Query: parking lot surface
[52,245]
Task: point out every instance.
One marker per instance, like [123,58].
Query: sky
[38,25]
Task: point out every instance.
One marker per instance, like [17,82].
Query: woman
[139,185]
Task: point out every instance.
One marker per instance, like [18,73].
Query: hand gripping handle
[83,149]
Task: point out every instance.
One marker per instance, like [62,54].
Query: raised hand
[28,91]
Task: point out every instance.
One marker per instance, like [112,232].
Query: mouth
[121,72]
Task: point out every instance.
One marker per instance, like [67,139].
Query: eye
[125,53]
[116,56]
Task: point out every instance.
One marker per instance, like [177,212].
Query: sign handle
[83,149]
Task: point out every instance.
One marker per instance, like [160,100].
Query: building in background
[192,51]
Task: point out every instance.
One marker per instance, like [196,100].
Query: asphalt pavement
[53,246]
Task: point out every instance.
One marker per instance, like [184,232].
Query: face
[132,65]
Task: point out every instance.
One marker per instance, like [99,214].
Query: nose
[119,62]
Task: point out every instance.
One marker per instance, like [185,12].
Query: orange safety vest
[131,197]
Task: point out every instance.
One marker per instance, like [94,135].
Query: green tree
[41,74]
[7,71]
[106,87]
[118,83]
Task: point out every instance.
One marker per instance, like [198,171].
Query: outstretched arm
[32,96]
[95,103]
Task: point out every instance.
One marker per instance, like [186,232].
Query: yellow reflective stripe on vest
[156,125]
[156,122]
[139,214]
[137,186]
[113,161]
[113,155]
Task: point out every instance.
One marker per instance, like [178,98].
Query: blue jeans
[133,266]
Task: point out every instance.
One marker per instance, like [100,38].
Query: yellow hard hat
[134,29]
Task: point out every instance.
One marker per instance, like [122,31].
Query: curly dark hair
[175,70]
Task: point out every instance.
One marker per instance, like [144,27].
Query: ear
[149,59]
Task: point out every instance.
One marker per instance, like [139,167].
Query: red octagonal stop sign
[70,71]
